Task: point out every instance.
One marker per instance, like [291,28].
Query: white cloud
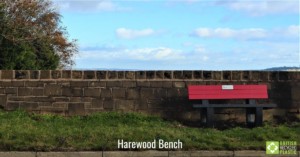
[262,7]
[290,32]
[125,33]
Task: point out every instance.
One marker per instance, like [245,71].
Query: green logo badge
[272,147]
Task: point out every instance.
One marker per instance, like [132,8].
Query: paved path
[143,154]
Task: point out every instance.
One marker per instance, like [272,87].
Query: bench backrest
[227,92]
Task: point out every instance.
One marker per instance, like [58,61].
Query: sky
[183,34]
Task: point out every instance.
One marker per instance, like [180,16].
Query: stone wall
[153,92]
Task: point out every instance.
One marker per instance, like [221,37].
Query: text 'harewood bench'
[249,93]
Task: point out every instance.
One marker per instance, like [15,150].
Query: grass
[20,130]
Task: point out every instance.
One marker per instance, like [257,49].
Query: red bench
[249,93]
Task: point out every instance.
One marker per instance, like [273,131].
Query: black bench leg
[207,115]
[258,116]
[250,117]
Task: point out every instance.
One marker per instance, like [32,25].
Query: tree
[31,36]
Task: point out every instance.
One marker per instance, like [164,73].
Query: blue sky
[183,34]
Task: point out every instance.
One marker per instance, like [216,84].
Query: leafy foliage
[31,36]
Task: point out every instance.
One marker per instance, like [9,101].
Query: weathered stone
[92,92]
[173,92]
[21,74]
[106,93]
[226,75]
[2,100]
[167,84]
[97,103]
[66,91]
[246,75]
[150,74]
[24,91]
[156,84]
[121,75]
[118,92]
[126,105]
[236,75]
[207,75]
[159,74]
[60,104]
[34,84]
[179,84]
[52,90]
[17,154]
[17,84]
[217,75]
[76,74]
[198,75]
[101,74]
[89,75]
[140,75]
[187,74]
[55,74]
[177,75]
[61,99]
[39,99]
[114,84]
[129,84]
[29,106]
[2,90]
[12,105]
[76,109]
[132,93]
[97,84]
[129,75]
[108,104]
[146,93]
[160,93]
[11,90]
[168,75]
[7,74]
[112,75]
[45,74]
[66,74]
[255,76]
[143,84]
[79,84]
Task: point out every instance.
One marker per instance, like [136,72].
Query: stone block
[77,75]
[89,75]
[106,93]
[146,93]
[255,76]
[159,74]
[198,75]
[52,90]
[226,75]
[7,74]
[29,106]
[24,91]
[212,154]
[60,104]
[45,74]
[156,84]
[168,74]
[2,90]
[69,154]
[17,154]
[21,74]
[34,84]
[187,74]
[236,75]
[97,84]
[129,75]
[173,92]
[167,84]
[140,75]
[92,92]
[143,84]
[101,75]
[76,109]
[12,105]
[118,92]
[179,85]
[129,84]
[155,103]
[217,75]
[108,104]
[17,84]
[246,75]
[75,92]
[114,84]
[177,75]
[125,105]
[207,75]
[112,75]
[150,74]
[13,90]
[37,91]
[55,74]
[66,74]
[160,93]
[2,100]
[97,103]
[79,84]
[132,93]
[264,75]
[121,75]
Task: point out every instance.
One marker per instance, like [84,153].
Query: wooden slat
[238,92]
